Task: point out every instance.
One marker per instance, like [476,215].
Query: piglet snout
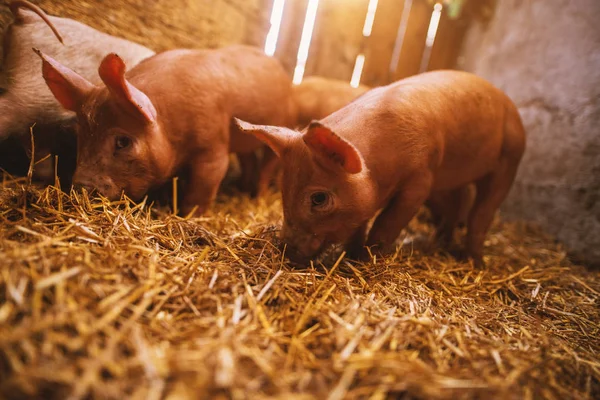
[294,255]
[81,186]
[300,246]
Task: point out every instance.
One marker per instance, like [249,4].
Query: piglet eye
[122,142]
[319,199]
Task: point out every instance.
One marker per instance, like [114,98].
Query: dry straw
[118,300]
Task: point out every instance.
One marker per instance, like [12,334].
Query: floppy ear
[329,146]
[69,88]
[112,73]
[275,137]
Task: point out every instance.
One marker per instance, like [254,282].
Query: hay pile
[115,301]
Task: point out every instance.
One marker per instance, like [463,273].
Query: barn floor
[117,301]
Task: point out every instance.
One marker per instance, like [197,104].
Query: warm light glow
[370,18]
[298,74]
[433,24]
[307,31]
[358,68]
[276,14]
[400,37]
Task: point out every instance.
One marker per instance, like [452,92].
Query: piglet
[317,97]
[170,114]
[389,151]
[25,98]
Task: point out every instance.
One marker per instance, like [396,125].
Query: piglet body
[26,99]
[389,151]
[317,97]
[170,114]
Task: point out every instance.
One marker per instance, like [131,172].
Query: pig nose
[294,255]
[79,186]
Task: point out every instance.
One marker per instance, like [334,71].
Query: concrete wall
[546,56]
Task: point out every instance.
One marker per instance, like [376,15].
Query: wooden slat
[290,33]
[337,38]
[380,45]
[414,42]
[448,42]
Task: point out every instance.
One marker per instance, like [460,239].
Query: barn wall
[163,25]
[337,37]
[334,49]
[546,56]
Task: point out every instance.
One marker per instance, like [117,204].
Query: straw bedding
[118,300]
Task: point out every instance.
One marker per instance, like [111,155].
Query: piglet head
[120,146]
[326,190]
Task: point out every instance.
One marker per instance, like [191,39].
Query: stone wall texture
[546,56]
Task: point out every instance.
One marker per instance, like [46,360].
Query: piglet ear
[69,88]
[329,146]
[112,73]
[276,138]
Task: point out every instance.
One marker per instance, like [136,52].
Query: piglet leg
[448,208]
[7,115]
[491,191]
[399,211]
[268,169]
[207,170]
[355,245]
[249,166]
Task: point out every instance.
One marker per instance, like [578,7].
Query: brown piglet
[316,97]
[386,153]
[25,99]
[171,114]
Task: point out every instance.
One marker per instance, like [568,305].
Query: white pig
[25,98]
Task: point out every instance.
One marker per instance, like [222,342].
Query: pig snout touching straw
[26,100]
[390,150]
[171,114]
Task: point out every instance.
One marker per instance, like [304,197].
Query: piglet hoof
[465,256]
[443,240]
[261,191]
[367,254]
[248,186]
[191,211]
[358,254]
[478,262]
